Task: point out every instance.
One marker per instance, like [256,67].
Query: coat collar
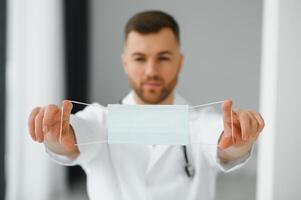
[160,150]
[129,99]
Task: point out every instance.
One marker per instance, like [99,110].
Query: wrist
[234,152]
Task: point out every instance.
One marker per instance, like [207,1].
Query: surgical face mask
[160,124]
[148,124]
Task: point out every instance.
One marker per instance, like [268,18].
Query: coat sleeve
[206,128]
[89,125]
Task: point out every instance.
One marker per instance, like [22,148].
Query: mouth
[152,85]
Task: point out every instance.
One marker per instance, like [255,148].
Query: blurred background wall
[34,77]
[279,161]
[2,95]
[46,63]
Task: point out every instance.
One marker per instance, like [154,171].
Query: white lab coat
[140,172]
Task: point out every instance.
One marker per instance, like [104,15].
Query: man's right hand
[44,125]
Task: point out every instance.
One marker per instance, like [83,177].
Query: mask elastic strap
[203,105]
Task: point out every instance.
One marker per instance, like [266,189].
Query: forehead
[164,40]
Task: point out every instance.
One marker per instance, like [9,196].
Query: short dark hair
[152,22]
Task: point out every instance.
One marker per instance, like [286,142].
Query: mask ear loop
[207,104]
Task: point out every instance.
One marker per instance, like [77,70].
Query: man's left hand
[246,127]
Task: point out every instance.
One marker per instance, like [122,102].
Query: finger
[253,126]
[227,119]
[31,122]
[237,134]
[67,108]
[49,117]
[260,121]
[39,126]
[245,124]
[236,129]
[224,142]
[235,117]
[66,111]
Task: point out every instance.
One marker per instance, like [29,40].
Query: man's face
[152,63]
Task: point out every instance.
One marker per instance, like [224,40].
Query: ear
[124,62]
[181,62]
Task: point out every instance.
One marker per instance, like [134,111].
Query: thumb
[227,119]
[67,108]
[65,117]
[67,138]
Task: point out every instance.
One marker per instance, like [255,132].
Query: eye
[140,59]
[164,58]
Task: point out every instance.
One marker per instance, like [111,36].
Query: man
[152,61]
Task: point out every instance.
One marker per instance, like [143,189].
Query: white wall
[279,174]
[221,42]
[34,78]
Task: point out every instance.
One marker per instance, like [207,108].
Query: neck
[167,101]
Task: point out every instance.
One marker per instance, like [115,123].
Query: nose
[151,68]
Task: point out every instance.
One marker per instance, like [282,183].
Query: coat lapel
[155,155]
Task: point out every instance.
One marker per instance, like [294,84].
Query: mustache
[153,78]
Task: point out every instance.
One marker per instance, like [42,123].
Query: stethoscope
[189,169]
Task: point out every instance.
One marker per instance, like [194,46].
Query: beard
[154,96]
